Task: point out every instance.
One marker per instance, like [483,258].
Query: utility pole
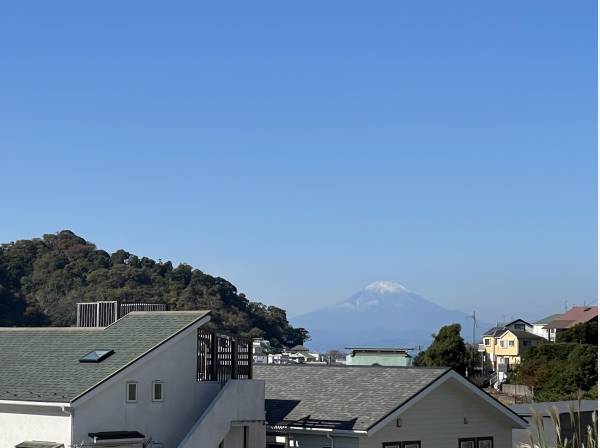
[473,341]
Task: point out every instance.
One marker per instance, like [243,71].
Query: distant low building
[295,355]
[369,356]
[260,351]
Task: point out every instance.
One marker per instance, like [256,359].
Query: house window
[526,343]
[520,327]
[485,442]
[511,343]
[157,391]
[405,444]
[486,341]
[131,392]
[502,344]
[476,442]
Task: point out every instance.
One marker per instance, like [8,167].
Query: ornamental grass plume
[581,438]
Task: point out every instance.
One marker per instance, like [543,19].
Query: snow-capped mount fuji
[382,314]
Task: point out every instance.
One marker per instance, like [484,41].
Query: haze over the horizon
[305,152]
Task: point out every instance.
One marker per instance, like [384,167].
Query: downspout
[331,438]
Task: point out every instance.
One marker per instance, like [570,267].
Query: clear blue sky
[305,149]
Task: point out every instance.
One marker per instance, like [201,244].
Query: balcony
[223,357]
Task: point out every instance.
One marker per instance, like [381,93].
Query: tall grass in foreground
[581,438]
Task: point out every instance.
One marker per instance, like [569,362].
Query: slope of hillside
[41,280]
[382,314]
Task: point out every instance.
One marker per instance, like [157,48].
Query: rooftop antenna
[566,306]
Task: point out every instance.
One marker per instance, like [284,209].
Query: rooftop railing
[223,357]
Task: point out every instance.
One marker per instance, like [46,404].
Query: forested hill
[41,280]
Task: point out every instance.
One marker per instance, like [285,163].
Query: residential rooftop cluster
[162,379]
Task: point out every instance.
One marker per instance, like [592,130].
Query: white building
[295,355]
[149,379]
[546,333]
[375,407]
[260,351]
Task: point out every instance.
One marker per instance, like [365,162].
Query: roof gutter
[37,403]
[329,431]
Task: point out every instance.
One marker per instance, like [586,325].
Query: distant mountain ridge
[382,314]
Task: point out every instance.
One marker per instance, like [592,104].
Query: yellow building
[504,347]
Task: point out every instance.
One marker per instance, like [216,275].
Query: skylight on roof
[96,356]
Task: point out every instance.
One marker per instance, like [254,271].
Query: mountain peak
[384,286]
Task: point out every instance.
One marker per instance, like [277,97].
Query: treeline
[41,280]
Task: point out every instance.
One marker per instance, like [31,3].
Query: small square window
[511,343]
[131,392]
[486,341]
[157,391]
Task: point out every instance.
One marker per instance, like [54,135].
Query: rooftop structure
[382,356]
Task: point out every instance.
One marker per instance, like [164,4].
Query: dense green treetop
[559,371]
[448,349]
[41,280]
[586,333]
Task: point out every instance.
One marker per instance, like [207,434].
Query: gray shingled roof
[42,364]
[338,397]
[521,334]
[494,331]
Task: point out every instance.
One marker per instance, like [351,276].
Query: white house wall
[166,422]
[19,423]
[438,421]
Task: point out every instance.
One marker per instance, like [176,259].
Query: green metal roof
[42,364]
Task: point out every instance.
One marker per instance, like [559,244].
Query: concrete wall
[438,421]
[19,423]
[240,403]
[166,422]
